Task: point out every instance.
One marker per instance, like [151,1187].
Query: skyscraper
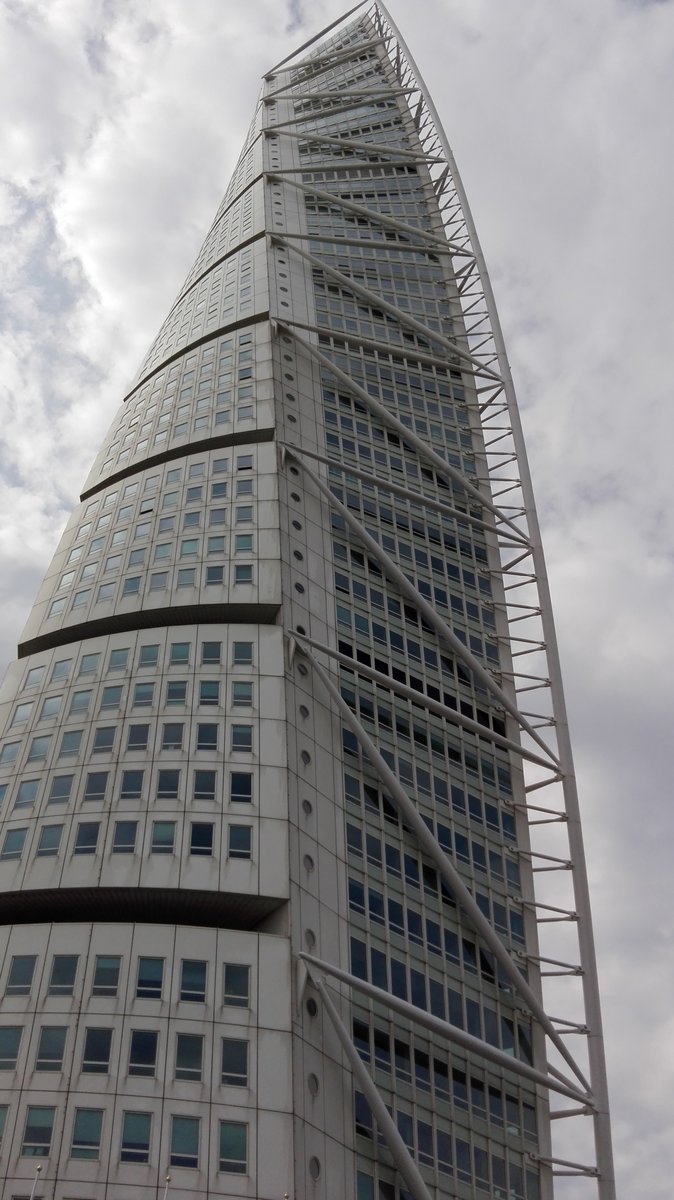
[290,864]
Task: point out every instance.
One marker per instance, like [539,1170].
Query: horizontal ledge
[240,438]
[152,906]
[154,618]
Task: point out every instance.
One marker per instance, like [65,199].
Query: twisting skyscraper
[290,861]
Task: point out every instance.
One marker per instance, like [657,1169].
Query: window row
[87,1133]
[162,839]
[149,980]
[176,694]
[188,1065]
[134,783]
[206,737]
[179,654]
[157,581]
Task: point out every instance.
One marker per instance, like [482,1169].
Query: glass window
[143,1052]
[242,653]
[80,701]
[215,545]
[136,1131]
[131,586]
[57,606]
[104,737]
[10,1040]
[158,581]
[217,516]
[242,737]
[20,978]
[27,791]
[207,737]
[243,543]
[61,669]
[237,986]
[50,840]
[124,841]
[34,677]
[215,575]
[201,838]
[189,547]
[143,695]
[70,743]
[96,1056]
[148,656]
[106,975]
[51,1048]
[242,692]
[86,840]
[9,752]
[63,973]
[38,1132]
[184,1142]
[233,1147]
[132,785]
[209,692]
[211,653]
[137,739]
[193,980]
[180,653]
[189,1056]
[241,787]
[244,487]
[239,841]
[163,837]
[39,748]
[50,707]
[204,785]
[3,1118]
[176,692]
[244,462]
[61,786]
[168,783]
[96,784]
[105,592]
[172,737]
[186,577]
[13,843]
[243,573]
[234,1062]
[150,978]
[87,1133]
[111,697]
[118,659]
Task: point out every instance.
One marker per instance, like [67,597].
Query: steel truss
[503,487]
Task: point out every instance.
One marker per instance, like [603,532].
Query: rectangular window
[9,753]
[242,653]
[211,653]
[193,980]
[86,839]
[111,697]
[233,1147]
[241,787]
[242,692]
[138,735]
[243,573]
[38,1132]
[201,838]
[176,692]
[60,789]
[96,783]
[125,837]
[207,737]
[237,986]
[96,1056]
[51,1048]
[204,785]
[63,974]
[163,837]
[168,782]
[104,738]
[239,841]
[172,736]
[234,1062]
[39,748]
[184,1142]
[136,1131]
[132,785]
[186,577]
[180,653]
[242,737]
[106,975]
[13,843]
[143,695]
[189,1056]
[70,743]
[118,659]
[10,1040]
[143,1052]
[20,978]
[50,840]
[150,978]
[148,656]
[243,542]
[87,1129]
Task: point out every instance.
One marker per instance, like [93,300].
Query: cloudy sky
[120,122]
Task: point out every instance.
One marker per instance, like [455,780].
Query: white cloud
[121,124]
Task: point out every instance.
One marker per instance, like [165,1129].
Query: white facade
[265,862]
